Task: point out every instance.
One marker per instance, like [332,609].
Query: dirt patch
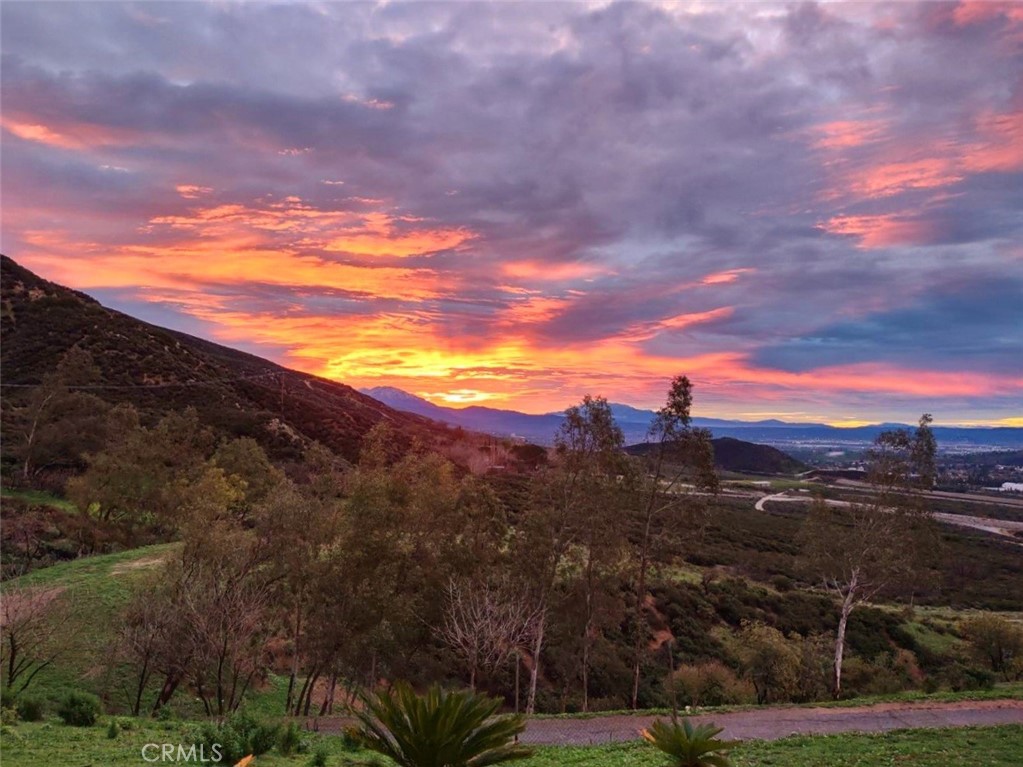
[138,564]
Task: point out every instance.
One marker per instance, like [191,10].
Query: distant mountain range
[635,422]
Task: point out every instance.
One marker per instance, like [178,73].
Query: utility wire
[179,384]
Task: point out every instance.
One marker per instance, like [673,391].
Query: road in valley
[1001,527]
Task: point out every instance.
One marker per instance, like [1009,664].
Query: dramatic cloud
[810,209]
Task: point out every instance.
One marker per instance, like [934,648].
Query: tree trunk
[294,660]
[639,620]
[136,708]
[533,672]
[847,605]
[587,630]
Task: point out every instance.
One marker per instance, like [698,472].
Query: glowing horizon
[803,210]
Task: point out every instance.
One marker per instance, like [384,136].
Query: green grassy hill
[90,594]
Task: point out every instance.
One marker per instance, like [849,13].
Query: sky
[815,211]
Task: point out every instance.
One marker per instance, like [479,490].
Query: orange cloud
[191,191]
[844,134]
[891,178]
[544,272]
[979,11]
[71,136]
[721,278]
[1001,146]
[199,265]
[647,330]
[878,231]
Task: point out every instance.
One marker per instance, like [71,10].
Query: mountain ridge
[541,427]
[161,370]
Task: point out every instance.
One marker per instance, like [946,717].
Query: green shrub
[113,730]
[31,709]
[710,684]
[438,728]
[80,709]
[8,716]
[319,757]
[238,736]
[289,740]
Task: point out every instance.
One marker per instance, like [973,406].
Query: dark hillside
[740,456]
[159,370]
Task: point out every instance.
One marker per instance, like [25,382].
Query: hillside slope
[739,456]
[160,370]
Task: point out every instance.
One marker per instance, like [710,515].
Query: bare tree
[859,551]
[32,633]
[485,624]
[143,637]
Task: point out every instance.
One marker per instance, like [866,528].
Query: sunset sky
[814,211]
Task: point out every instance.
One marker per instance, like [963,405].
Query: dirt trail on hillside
[774,723]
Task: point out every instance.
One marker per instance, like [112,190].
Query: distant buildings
[1011,487]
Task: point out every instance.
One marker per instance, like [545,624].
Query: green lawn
[53,745]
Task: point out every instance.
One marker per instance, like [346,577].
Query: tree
[998,643]
[31,627]
[59,423]
[485,624]
[677,452]
[149,630]
[575,504]
[769,660]
[860,550]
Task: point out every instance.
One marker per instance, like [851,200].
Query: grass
[989,746]
[93,591]
[36,498]
[51,744]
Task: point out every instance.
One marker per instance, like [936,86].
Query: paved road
[1002,527]
[773,723]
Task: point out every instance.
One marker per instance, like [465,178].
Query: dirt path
[774,723]
[761,723]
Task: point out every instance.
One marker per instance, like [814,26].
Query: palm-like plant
[690,746]
[438,729]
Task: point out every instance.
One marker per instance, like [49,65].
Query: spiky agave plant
[690,746]
[438,729]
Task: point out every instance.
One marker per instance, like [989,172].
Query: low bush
[80,709]
[289,740]
[31,709]
[239,736]
[709,684]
